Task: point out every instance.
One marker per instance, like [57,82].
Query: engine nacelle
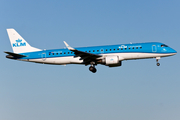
[112,61]
[109,60]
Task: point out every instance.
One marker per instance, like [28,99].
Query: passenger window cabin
[51,53]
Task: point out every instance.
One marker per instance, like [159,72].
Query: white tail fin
[18,44]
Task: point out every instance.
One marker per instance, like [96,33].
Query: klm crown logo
[19,43]
[18,40]
[122,46]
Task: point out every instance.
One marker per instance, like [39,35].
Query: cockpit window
[163,45]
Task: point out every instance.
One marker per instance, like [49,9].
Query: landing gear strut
[92,67]
[157,59]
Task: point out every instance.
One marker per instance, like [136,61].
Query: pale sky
[138,90]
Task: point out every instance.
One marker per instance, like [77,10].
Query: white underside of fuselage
[76,60]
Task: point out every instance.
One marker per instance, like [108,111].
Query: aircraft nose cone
[174,51]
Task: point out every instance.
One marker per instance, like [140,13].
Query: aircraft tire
[158,64]
[92,69]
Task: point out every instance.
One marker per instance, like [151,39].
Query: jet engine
[112,61]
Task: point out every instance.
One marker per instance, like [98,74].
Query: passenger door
[43,55]
[154,48]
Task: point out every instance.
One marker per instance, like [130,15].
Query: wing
[86,57]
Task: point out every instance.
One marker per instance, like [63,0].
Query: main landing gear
[157,59]
[92,67]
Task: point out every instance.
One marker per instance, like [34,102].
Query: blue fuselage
[152,47]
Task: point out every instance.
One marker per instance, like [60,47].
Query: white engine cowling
[112,61]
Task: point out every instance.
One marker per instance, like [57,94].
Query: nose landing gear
[157,59]
[158,64]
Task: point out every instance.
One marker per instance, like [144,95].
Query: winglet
[70,48]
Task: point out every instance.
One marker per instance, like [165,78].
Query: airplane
[109,55]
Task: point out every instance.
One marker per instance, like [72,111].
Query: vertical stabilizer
[18,44]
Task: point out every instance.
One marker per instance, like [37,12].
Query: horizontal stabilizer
[15,55]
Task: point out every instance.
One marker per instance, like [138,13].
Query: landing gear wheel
[157,59]
[92,69]
[158,64]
